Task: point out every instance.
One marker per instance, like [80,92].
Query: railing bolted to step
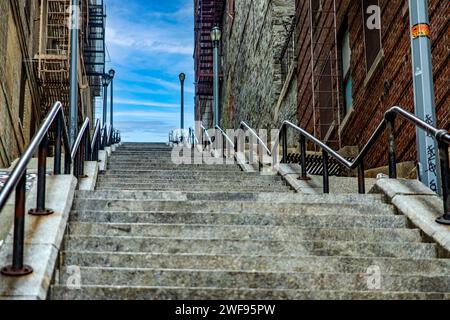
[82,151]
[441,136]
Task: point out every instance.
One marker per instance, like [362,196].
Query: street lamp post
[105,81]
[182,78]
[111,75]
[216,35]
[74,26]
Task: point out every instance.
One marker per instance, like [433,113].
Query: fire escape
[208,13]
[325,72]
[54,53]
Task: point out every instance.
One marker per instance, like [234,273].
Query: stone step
[176,293]
[206,203]
[238,199]
[191,187]
[251,247]
[168,166]
[185,174]
[256,280]
[127,178]
[322,264]
[245,232]
[322,220]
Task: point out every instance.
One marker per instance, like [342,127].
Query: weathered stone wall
[16,50]
[253,38]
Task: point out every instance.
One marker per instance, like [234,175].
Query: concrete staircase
[154,230]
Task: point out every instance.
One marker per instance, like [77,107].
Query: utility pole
[74,27]
[424,100]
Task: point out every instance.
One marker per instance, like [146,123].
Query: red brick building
[350,74]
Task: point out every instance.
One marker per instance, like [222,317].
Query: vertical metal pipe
[42,167]
[105,103]
[182,103]
[82,155]
[250,151]
[74,27]
[67,162]
[111,111]
[216,83]
[424,99]
[18,268]
[445,172]
[41,180]
[326,180]
[361,178]
[392,149]
[58,139]
[285,145]
[260,151]
[304,175]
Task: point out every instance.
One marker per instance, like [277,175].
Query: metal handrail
[243,125]
[440,135]
[17,180]
[225,136]
[80,149]
[79,153]
[95,144]
[205,131]
[38,141]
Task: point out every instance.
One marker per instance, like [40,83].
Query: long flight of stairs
[155,230]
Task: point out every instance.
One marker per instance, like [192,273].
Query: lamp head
[216,34]
[112,73]
[182,77]
[106,79]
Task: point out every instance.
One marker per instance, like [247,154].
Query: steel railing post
[326,180]
[361,178]
[41,180]
[285,145]
[260,156]
[18,268]
[304,174]
[58,138]
[445,173]
[391,148]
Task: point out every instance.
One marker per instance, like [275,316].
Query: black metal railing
[441,136]
[109,136]
[261,147]
[80,152]
[205,134]
[227,144]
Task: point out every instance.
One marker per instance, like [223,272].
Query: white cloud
[145,103]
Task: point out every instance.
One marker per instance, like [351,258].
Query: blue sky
[149,43]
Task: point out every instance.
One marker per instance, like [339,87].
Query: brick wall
[16,34]
[391,81]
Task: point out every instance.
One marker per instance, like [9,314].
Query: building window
[372,31]
[346,70]
[326,99]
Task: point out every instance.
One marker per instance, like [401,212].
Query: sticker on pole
[420,30]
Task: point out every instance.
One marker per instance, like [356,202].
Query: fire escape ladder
[325,72]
